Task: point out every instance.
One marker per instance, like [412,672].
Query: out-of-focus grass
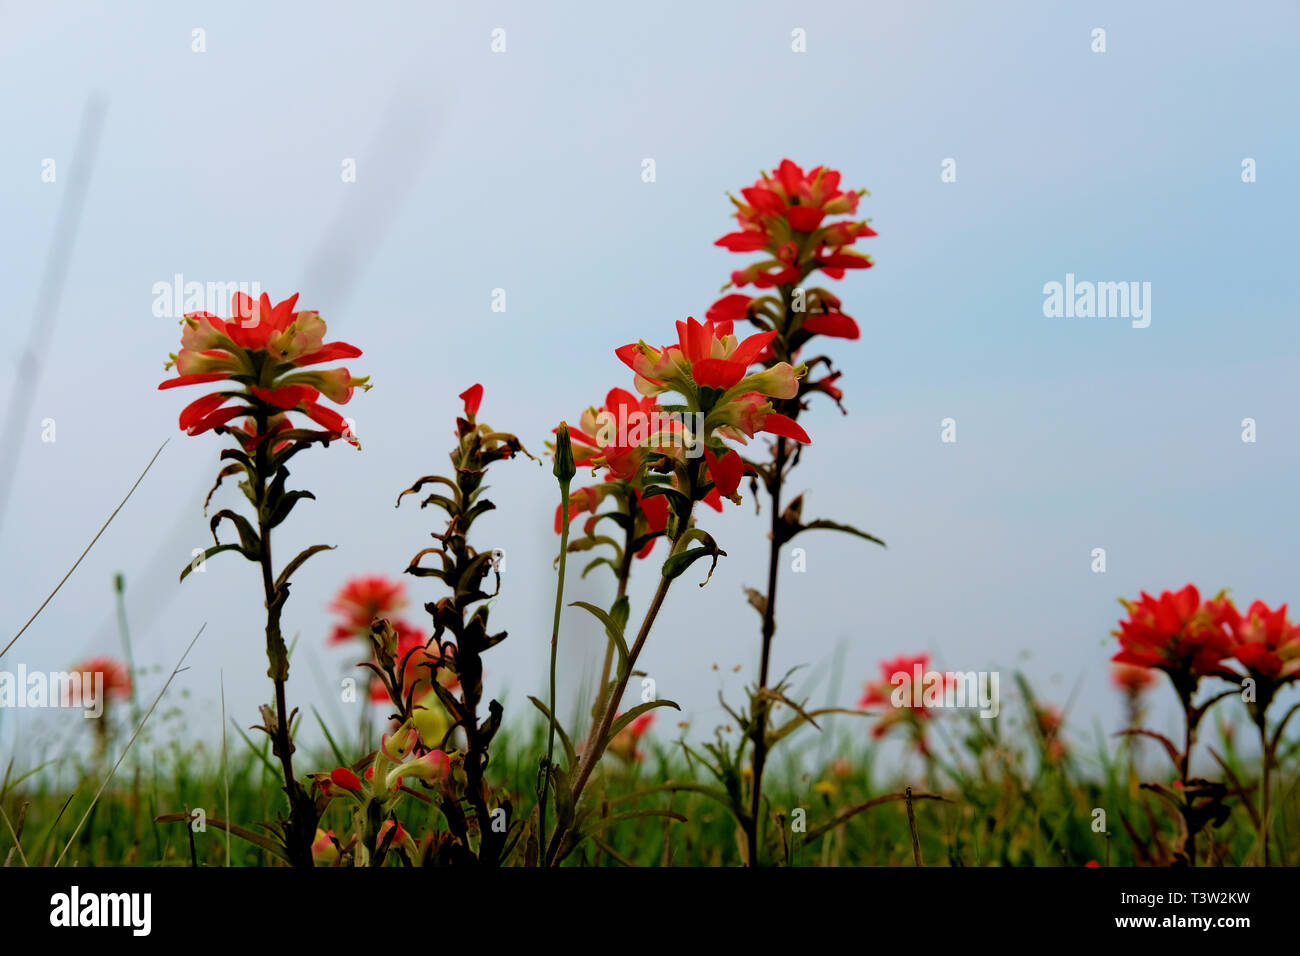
[1010,800]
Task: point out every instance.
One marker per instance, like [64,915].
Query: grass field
[1011,796]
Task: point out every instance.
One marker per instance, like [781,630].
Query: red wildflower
[1132,679]
[726,472]
[472,397]
[345,778]
[625,743]
[258,351]
[730,308]
[1176,633]
[784,214]
[1265,642]
[708,356]
[117,679]
[362,600]
[895,690]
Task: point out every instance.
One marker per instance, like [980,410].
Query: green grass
[1005,803]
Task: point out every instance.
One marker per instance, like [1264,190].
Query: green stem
[1264,794]
[299,831]
[753,826]
[593,754]
[624,574]
[555,649]
[596,746]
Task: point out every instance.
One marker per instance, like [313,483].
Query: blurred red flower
[1265,642]
[360,601]
[117,679]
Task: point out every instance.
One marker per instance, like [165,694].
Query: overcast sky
[522,170]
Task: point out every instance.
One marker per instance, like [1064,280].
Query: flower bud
[564,468]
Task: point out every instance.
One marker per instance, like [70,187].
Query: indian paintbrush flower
[262,356]
[260,352]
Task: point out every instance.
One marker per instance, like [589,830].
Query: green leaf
[713,793]
[564,807]
[297,562]
[481,506]
[620,612]
[597,562]
[285,505]
[667,491]
[823,524]
[794,723]
[569,753]
[592,541]
[825,828]
[223,474]
[613,630]
[677,563]
[442,501]
[275,490]
[257,839]
[618,517]
[641,542]
[426,480]
[636,712]
[600,823]
[215,550]
[247,536]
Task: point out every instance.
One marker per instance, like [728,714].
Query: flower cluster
[784,214]
[613,432]
[1188,638]
[709,367]
[261,350]
[1176,632]
[460,625]
[403,759]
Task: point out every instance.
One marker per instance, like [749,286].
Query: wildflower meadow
[713,455]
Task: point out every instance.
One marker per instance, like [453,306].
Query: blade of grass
[87,551]
[127,748]
[14,833]
[225,761]
[338,754]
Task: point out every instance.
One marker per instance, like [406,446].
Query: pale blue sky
[522,170]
